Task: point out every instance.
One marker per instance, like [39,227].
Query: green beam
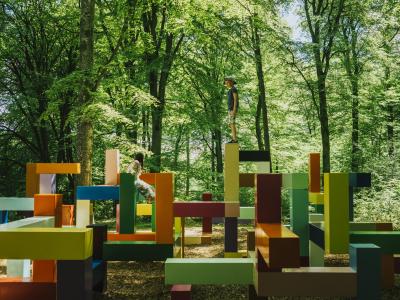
[127,203]
[209,271]
[389,241]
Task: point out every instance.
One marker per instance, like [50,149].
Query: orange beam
[278,246]
[150,178]
[48,205]
[138,236]
[164,211]
[32,180]
[58,168]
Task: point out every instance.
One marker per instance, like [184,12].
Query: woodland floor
[145,280]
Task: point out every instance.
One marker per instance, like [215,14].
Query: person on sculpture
[145,189]
[233,105]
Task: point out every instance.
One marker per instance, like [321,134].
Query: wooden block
[314,172]
[44,270]
[317,234]
[16,204]
[268,198]
[47,184]
[253,155]
[316,256]
[99,268]
[24,288]
[295,181]
[388,241]
[143,209]
[138,251]
[307,281]
[299,216]
[83,213]
[397,264]
[99,237]
[111,167]
[365,259]
[150,178]
[387,271]
[246,179]
[164,210]
[181,292]
[252,294]
[58,168]
[137,236]
[98,192]
[46,243]
[231,235]
[199,209]
[251,240]
[316,198]
[247,213]
[231,173]
[360,179]
[127,203]
[74,279]
[68,215]
[31,181]
[232,209]
[233,254]
[207,221]
[279,247]
[29,222]
[49,205]
[315,217]
[18,268]
[336,216]
[209,271]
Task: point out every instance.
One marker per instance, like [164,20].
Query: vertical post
[336,216]
[268,198]
[47,183]
[111,167]
[74,279]
[365,259]
[127,203]
[82,213]
[314,173]
[99,265]
[207,221]
[32,180]
[164,210]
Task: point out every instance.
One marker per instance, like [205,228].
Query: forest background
[79,77]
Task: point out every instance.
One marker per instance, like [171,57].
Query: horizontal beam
[29,222]
[143,209]
[16,204]
[58,168]
[46,243]
[209,271]
[310,281]
[206,209]
[137,236]
[253,155]
[98,192]
[25,288]
[247,213]
[389,241]
[138,251]
[279,247]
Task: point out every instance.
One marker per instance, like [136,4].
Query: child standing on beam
[233,105]
[144,188]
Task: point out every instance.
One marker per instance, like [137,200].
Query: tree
[323,17]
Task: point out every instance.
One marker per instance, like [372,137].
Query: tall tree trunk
[187,165]
[218,151]
[85,127]
[326,148]
[261,92]
[258,126]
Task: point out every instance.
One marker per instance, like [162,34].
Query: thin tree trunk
[187,165]
[85,127]
[258,126]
